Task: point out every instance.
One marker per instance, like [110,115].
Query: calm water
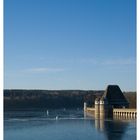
[64,125]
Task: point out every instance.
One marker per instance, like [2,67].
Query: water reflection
[112,128]
[70,125]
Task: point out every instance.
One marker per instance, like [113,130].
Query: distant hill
[131,98]
[21,99]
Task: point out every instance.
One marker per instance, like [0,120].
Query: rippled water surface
[65,125]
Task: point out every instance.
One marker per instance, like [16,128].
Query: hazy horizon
[69,89]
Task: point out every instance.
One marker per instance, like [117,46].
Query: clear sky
[69,44]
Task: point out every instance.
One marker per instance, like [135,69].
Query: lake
[64,124]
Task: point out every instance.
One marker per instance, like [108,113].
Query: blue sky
[69,44]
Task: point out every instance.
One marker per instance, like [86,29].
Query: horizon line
[67,89]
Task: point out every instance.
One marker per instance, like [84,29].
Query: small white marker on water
[56,117]
[47,112]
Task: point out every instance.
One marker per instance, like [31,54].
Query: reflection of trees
[112,129]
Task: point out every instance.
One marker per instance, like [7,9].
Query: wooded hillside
[14,99]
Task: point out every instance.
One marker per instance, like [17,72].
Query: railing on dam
[118,112]
[125,112]
[90,109]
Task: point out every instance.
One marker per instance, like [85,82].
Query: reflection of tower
[97,108]
[103,108]
[107,127]
[97,124]
[102,125]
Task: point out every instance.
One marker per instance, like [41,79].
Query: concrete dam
[112,104]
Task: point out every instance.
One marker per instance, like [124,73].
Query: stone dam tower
[112,98]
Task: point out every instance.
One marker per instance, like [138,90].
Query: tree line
[18,99]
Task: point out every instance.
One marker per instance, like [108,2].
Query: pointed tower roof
[115,96]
